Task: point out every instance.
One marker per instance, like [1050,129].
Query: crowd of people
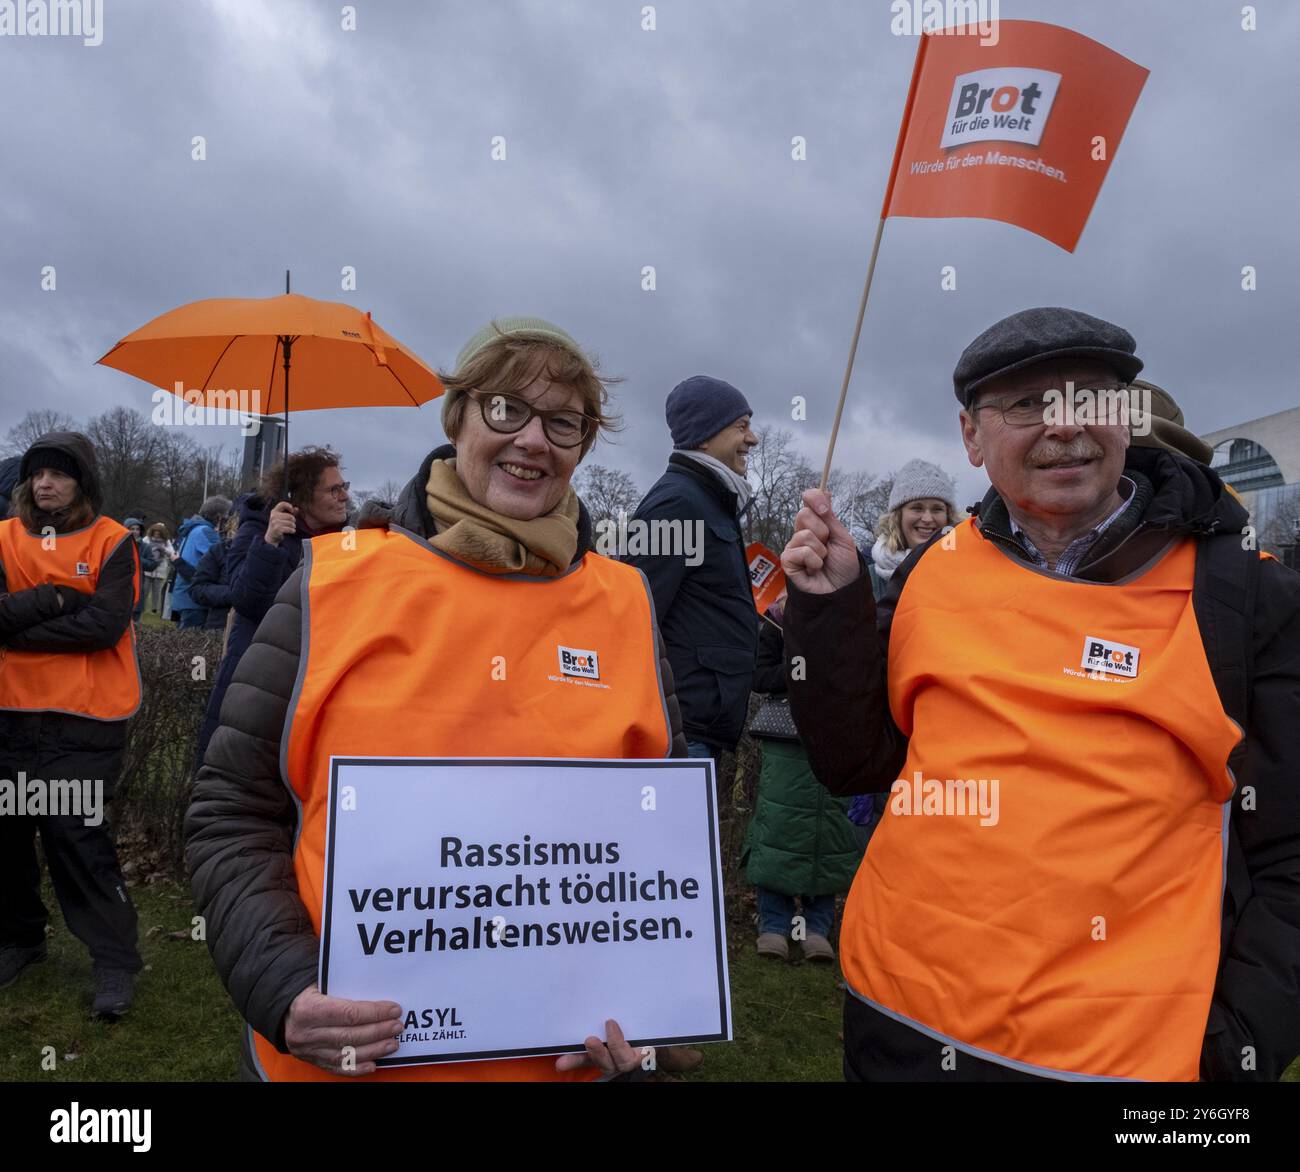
[1091,663]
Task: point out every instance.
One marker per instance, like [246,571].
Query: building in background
[261,451]
[1261,460]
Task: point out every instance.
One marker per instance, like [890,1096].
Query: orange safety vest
[1073,932]
[407,652]
[104,685]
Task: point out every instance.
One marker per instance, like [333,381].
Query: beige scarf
[500,545]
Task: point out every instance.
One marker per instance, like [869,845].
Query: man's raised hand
[821,556]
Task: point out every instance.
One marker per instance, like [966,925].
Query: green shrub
[154,788]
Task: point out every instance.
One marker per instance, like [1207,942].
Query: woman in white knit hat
[921,504]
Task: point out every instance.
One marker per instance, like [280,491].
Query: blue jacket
[196,537]
[706,612]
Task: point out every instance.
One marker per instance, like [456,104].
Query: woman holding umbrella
[393,611]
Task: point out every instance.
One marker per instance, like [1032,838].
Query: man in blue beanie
[701,587]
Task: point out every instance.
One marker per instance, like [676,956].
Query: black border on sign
[710,796]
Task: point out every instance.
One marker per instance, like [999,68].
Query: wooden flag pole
[853,351]
[875,248]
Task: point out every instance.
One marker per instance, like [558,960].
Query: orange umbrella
[227,350]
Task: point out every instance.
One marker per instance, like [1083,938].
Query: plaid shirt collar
[1074,553]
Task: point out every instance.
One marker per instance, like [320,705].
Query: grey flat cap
[1033,335]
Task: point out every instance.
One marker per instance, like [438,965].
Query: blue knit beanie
[700,407]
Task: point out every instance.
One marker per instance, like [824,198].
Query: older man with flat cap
[1082,701]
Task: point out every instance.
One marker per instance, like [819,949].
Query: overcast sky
[627,148]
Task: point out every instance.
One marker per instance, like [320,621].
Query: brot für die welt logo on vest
[1007,104]
[1105,655]
[576,661]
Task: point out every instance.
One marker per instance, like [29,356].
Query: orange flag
[1022,131]
[766,578]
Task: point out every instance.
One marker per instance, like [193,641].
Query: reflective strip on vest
[104,685]
[409,653]
[1069,925]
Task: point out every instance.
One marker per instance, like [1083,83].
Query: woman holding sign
[433,631]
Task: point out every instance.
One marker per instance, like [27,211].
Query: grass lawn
[786,1022]
[184,1028]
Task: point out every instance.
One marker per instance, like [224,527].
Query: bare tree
[860,500]
[148,471]
[33,425]
[177,475]
[606,492]
[224,472]
[387,493]
[780,475]
[783,475]
[1282,529]
[126,445]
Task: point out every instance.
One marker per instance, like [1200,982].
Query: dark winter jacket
[241,825]
[34,620]
[9,474]
[256,569]
[148,558]
[64,620]
[769,666]
[706,612]
[210,588]
[843,716]
[253,572]
[148,553]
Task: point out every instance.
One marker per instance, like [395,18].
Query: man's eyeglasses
[1083,405]
[508,414]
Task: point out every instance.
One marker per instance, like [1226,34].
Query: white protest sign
[511,907]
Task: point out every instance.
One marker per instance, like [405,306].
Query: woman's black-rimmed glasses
[508,414]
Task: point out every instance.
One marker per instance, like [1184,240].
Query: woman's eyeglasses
[339,491]
[508,414]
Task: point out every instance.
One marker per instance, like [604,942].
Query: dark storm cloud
[625,148]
